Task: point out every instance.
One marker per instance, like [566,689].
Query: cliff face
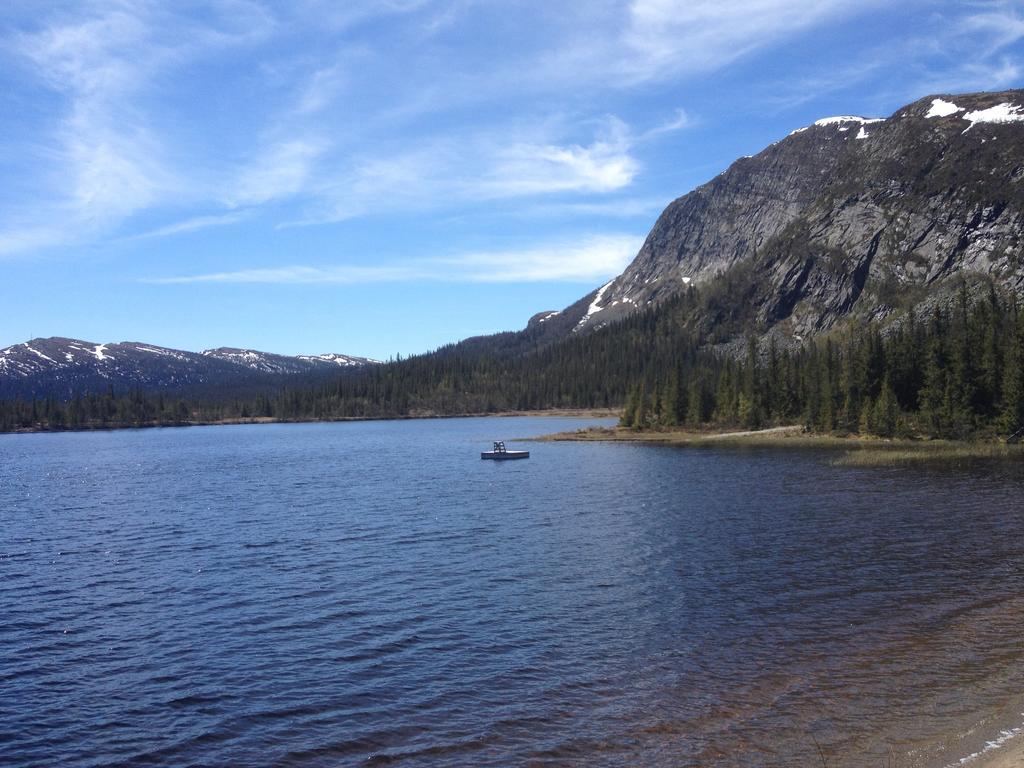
[849,216]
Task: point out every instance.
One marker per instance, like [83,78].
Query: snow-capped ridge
[341,360]
[841,121]
[63,367]
[268,362]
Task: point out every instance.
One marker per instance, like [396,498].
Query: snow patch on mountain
[1000,113]
[161,351]
[839,120]
[942,108]
[341,360]
[37,353]
[842,121]
[595,305]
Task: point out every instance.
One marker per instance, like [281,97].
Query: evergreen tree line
[955,371]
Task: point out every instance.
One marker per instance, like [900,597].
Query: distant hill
[61,367]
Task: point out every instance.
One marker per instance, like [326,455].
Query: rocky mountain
[848,217]
[61,367]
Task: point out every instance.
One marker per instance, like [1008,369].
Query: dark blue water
[374,594]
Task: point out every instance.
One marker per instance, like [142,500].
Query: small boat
[501,453]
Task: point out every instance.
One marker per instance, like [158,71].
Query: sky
[383,177]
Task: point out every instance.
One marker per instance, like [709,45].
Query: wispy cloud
[630,207]
[622,45]
[585,261]
[15,239]
[111,161]
[342,16]
[105,155]
[664,39]
[678,122]
[386,107]
[487,166]
[194,224]
[979,43]
[323,86]
[603,166]
[282,171]
[593,259]
[1001,21]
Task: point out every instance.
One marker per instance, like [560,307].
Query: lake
[374,594]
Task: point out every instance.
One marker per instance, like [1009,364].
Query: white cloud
[587,260]
[663,38]
[994,74]
[593,259]
[603,166]
[628,44]
[500,165]
[105,157]
[293,275]
[110,163]
[344,15]
[680,121]
[1001,21]
[282,171]
[347,109]
[113,170]
[87,58]
[617,208]
[977,42]
[17,239]
[194,224]
[323,86]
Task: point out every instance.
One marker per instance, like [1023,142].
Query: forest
[954,370]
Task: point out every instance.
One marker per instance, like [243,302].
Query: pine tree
[885,412]
[1011,413]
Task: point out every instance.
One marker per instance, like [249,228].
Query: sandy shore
[1009,754]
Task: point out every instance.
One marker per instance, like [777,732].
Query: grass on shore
[907,452]
[854,451]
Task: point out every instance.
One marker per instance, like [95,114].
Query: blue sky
[384,177]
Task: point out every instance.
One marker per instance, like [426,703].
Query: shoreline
[853,450]
[582,413]
[1005,751]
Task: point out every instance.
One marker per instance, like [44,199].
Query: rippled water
[373,593]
